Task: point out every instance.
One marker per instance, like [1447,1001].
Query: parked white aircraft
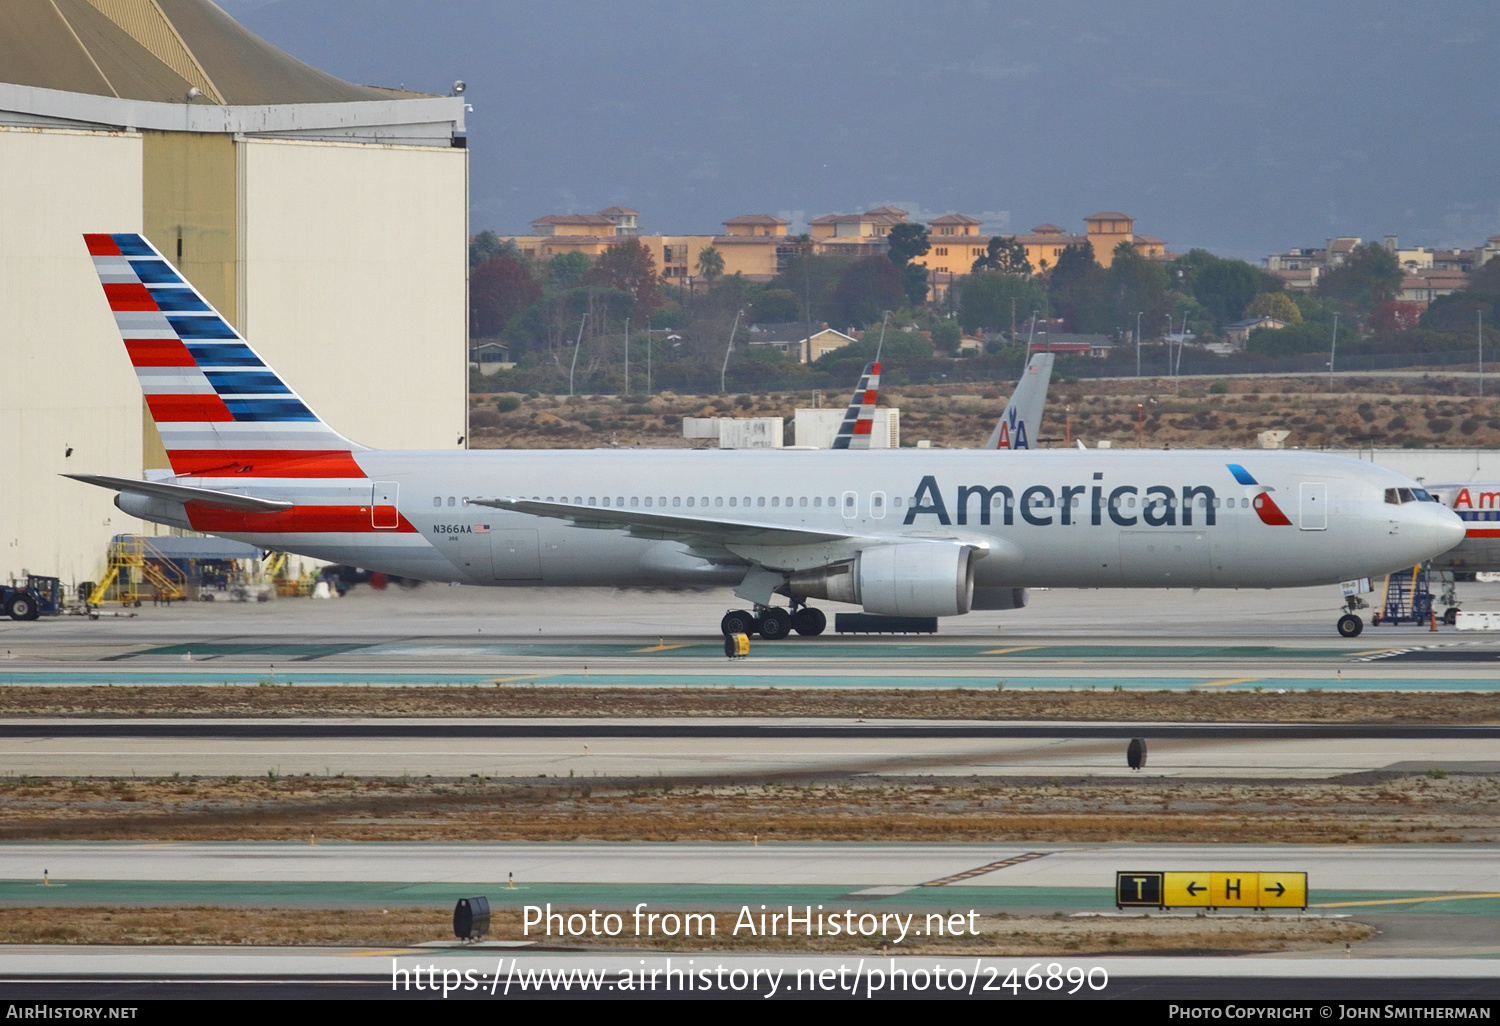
[908,532]
[1477,503]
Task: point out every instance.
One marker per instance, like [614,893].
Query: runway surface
[697,749]
[441,635]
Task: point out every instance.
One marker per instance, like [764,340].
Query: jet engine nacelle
[921,579]
[1001,598]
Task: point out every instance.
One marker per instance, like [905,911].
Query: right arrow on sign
[1278,890]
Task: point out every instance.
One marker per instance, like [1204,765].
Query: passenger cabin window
[677,500]
[776,500]
[437,500]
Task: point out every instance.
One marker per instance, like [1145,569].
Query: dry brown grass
[1434,410]
[403,927]
[520,701]
[1411,809]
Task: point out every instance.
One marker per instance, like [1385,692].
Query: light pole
[1480,315]
[627,356]
[729,349]
[1333,350]
[1138,343]
[574,365]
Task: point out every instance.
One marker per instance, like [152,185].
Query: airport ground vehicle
[39,596]
[916,532]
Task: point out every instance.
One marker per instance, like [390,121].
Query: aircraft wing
[185,493]
[651,524]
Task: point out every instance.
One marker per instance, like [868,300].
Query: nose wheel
[1351,626]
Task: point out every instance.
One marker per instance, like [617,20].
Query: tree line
[569,316]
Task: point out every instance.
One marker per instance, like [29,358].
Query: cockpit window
[1407,496]
[1391,498]
[1423,495]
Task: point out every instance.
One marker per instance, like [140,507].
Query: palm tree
[710,263]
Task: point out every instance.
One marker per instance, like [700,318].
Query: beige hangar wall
[353,264]
[65,380]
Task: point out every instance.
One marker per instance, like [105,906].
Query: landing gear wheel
[738,621]
[1351,626]
[1450,616]
[775,623]
[809,622]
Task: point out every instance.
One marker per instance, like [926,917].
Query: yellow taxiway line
[1403,901]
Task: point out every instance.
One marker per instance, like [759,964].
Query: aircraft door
[850,505]
[877,505]
[384,516]
[1314,506]
[515,555]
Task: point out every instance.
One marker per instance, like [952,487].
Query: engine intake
[914,579]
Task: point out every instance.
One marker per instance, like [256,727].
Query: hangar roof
[157,50]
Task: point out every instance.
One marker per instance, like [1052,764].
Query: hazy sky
[1244,128]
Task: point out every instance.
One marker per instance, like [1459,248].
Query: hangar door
[1314,506]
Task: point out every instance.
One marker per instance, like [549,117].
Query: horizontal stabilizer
[184,493]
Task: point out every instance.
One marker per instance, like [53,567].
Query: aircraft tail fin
[1021,422]
[220,409]
[859,419]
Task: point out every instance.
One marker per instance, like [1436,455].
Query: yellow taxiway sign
[1208,889]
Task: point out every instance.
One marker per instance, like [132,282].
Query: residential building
[1429,285]
[791,339]
[1238,333]
[754,245]
[956,243]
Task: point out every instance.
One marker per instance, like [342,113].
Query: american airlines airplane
[921,532]
[1477,503]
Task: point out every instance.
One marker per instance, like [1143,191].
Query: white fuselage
[1071,519]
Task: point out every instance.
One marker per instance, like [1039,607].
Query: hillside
[1416,412]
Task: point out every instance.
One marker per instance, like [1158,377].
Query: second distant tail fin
[1022,419]
[220,409]
[859,419]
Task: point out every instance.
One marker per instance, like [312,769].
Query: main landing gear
[774,622]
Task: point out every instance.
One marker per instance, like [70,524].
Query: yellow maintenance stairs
[134,564]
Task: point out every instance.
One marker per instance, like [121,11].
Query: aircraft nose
[1437,525]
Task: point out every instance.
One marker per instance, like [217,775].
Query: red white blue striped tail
[859,419]
[220,410]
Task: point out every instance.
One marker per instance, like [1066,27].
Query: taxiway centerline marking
[1402,901]
[1007,651]
[989,868]
[665,647]
[1226,682]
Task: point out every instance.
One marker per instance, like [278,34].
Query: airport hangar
[327,221]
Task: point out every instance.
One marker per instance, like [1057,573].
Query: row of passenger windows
[877,501]
[817,501]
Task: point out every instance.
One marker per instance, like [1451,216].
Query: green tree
[1136,285]
[1006,255]
[629,267]
[567,269]
[499,289]
[1274,304]
[487,244]
[946,336]
[774,306]
[1225,288]
[1368,277]
[905,242]
[866,289]
[710,263]
[914,283]
[812,277]
[988,299]
[1293,340]
[1077,290]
